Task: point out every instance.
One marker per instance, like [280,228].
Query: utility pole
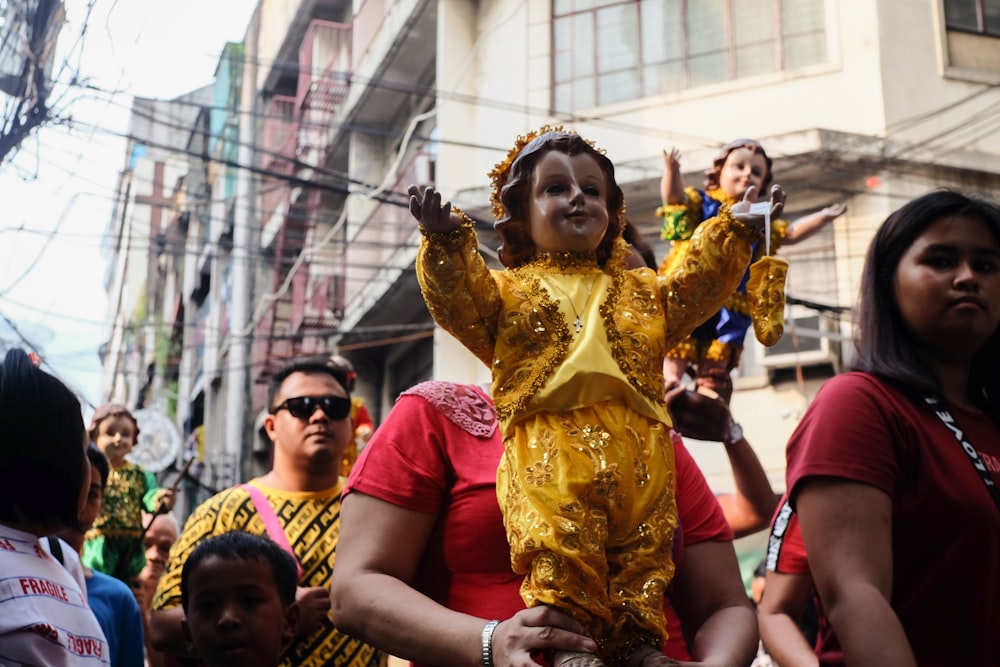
[244,223]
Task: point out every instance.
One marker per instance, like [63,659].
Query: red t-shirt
[422,460]
[945,524]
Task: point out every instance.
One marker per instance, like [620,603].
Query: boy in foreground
[238,595]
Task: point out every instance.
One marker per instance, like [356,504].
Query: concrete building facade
[343,104]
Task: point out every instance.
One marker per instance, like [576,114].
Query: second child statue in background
[113,545]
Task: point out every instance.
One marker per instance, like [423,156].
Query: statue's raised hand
[426,207]
[751,212]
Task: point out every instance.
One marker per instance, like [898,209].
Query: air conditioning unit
[810,338]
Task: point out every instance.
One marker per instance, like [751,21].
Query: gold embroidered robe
[586,481]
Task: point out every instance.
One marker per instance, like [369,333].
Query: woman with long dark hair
[894,469]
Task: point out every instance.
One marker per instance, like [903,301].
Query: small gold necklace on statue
[578,322]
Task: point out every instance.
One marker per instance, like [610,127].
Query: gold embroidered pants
[589,509]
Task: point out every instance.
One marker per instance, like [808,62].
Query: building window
[607,51]
[976,16]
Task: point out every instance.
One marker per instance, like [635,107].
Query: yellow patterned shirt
[312,525]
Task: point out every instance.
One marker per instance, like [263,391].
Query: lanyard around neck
[941,412]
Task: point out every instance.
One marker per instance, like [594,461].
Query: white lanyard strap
[942,413]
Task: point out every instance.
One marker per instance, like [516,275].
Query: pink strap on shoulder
[271,523]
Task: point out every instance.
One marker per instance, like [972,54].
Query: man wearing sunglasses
[296,504]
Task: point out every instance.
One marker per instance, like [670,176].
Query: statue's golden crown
[501,172]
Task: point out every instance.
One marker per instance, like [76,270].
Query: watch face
[735,433]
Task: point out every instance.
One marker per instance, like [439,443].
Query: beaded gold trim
[564,262]
[620,253]
[451,235]
[466,220]
[728,353]
[696,351]
[543,315]
[620,349]
[664,209]
[719,195]
[738,229]
[686,349]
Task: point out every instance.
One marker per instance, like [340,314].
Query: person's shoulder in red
[849,409]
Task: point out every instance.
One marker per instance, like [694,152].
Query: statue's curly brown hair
[111,410]
[516,246]
[712,175]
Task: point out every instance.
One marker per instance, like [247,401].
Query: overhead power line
[30,29]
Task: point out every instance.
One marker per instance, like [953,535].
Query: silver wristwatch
[734,433]
[487,639]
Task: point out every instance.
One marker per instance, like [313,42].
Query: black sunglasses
[303,407]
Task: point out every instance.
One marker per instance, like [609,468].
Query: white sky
[58,191]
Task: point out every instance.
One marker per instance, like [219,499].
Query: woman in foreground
[894,469]
[423,569]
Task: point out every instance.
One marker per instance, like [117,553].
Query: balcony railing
[324,307]
[317,291]
[324,66]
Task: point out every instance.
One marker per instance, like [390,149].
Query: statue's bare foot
[576,659]
[645,655]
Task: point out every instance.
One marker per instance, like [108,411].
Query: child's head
[238,596]
[114,430]
[42,444]
[517,191]
[739,165]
